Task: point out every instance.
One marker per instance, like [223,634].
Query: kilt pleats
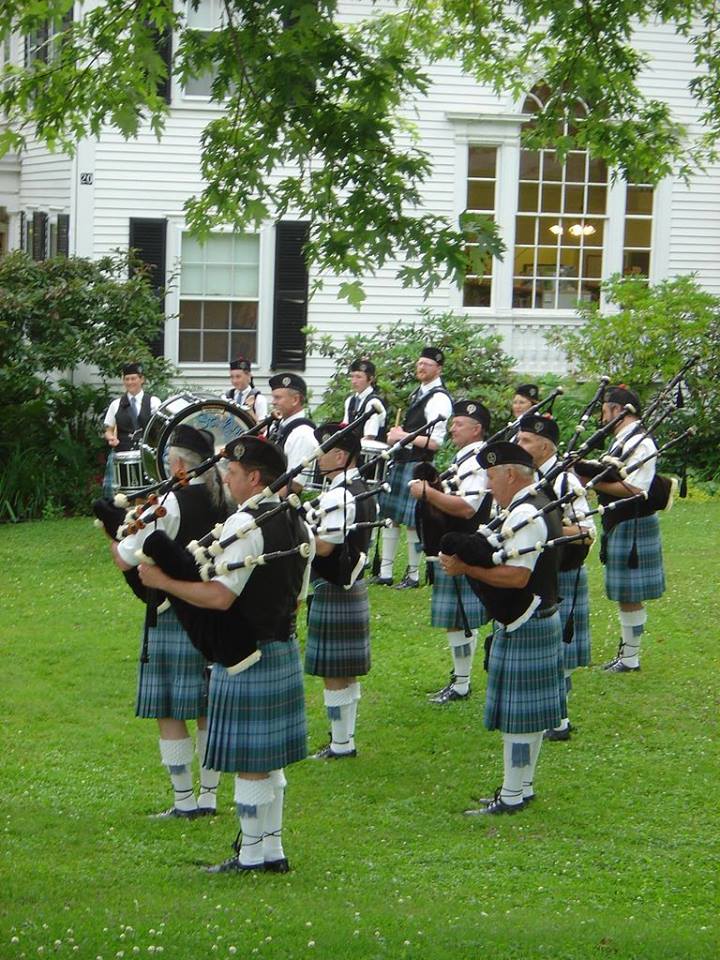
[444,606]
[338,639]
[256,719]
[576,653]
[173,683]
[647,580]
[397,503]
[525,685]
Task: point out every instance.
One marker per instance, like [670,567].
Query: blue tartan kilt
[576,653]
[525,684]
[647,581]
[173,683]
[338,637]
[444,607]
[398,504]
[256,720]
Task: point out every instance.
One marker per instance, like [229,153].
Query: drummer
[127,417]
[362,381]
[243,391]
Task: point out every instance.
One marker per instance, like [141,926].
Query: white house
[566,226]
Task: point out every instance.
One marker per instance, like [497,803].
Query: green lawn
[617,858]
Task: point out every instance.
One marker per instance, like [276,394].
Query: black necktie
[353,408]
[134,412]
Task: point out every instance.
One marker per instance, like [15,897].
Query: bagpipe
[222,636]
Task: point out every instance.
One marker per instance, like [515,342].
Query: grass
[617,858]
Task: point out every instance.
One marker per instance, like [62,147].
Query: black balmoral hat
[502,454]
[541,425]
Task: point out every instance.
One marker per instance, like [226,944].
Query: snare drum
[224,419]
[317,482]
[128,475]
[369,449]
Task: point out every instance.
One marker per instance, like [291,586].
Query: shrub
[643,340]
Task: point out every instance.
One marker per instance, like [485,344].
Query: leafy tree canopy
[317,109]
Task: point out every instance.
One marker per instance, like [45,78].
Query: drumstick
[397,417]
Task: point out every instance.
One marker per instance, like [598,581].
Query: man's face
[521,405]
[539,448]
[426,370]
[465,430]
[239,379]
[499,483]
[359,381]
[286,402]
[332,461]
[609,412]
[240,482]
[133,383]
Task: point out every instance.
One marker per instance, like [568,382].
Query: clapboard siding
[150,178]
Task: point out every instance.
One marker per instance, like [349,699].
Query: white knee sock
[338,709]
[517,765]
[632,625]
[462,650]
[253,799]
[272,837]
[388,549]
[414,552]
[209,779]
[529,773]
[177,756]
[353,707]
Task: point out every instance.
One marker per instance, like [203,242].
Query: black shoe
[381,581]
[617,666]
[206,812]
[277,866]
[173,813]
[233,865]
[528,800]
[557,734]
[449,694]
[495,808]
[327,753]
[407,583]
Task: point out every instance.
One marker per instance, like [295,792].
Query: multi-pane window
[219,283]
[638,230]
[205,16]
[559,228]
[481,183]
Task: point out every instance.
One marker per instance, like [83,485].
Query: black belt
[545,612]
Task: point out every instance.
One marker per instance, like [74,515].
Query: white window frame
[176,228]
[504,131]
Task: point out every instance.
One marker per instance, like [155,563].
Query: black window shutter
[63,234]
[291,295]
[148,238]
[22,230]
[164,48]
[39,237]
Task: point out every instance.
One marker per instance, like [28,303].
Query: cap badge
[491,458]
[471,408]
[239,451]
[538,427]
[286,381]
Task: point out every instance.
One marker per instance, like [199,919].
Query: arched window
[560,224]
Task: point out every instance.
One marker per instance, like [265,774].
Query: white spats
[632,626]
[338,703]
[414,553]
[272,837]
[209,779]
[529,773]
[462,650]
[177,756]
[253,799]
[388,549]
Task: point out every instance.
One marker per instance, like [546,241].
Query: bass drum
[223,418]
